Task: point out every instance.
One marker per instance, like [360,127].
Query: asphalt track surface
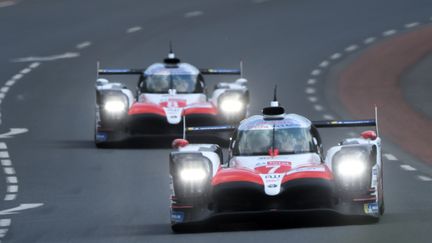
[121,195]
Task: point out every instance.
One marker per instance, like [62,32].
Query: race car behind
[168,96]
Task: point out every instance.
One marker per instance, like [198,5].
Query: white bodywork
[239,84]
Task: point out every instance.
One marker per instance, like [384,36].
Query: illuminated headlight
[193,174]
[115,106]
[231,105]
[351,166]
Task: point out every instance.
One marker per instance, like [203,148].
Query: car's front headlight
[115,106]
[352,166]
[193,174]
[232,104]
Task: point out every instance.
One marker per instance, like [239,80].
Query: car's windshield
[161,83]
[285,140]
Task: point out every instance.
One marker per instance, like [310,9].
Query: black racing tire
[182,228]
[381,199]
[102,145]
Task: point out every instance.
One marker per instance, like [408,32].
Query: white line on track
[4,89]
[34,65]
[47,58]
[311,81]
[316,72]
[25,70]
[83,45]
[369,40]
[318,107]
[312,99]
[351,48]
[9,170]
[3,233]
[328,117]
[5,222]
[411,25]
[408,168]
[336,56]
[424,178]
[9,197]
[12,179]
[7,3]
[310,91]
[10,83]
[193,14]
[12,188]
[324,64]
[6,162]
[17,76]
[133,29]
[389,32]
[4,154]
[390,157]
[3,145]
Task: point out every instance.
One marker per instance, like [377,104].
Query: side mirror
[369,135]
[179,143]
[241,81]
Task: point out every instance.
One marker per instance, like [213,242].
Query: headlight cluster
[352,165]
[115,105]
[232,104]
[192,174]
[194,171]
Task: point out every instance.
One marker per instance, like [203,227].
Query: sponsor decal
[101,136]
[177,216]
[306,169]
[272,183]
[174,114]
[284,163]
[371,208]
[273,176]
[273,167]
[260,124]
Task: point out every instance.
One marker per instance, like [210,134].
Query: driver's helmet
[181,83]
[259,141]
[160,82]
[291,140]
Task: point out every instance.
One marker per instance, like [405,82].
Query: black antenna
[170,47]
[274,109]
[171,60]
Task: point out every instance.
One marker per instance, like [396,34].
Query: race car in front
[168,96]
[276,166]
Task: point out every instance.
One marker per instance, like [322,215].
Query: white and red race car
[168,96]
[276,166]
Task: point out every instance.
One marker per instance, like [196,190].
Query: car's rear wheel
[381,196]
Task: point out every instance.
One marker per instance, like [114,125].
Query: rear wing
[220,71]
[350,123]
[114,71]
[128,71]
[345,123]
[211,128]
[317,124]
